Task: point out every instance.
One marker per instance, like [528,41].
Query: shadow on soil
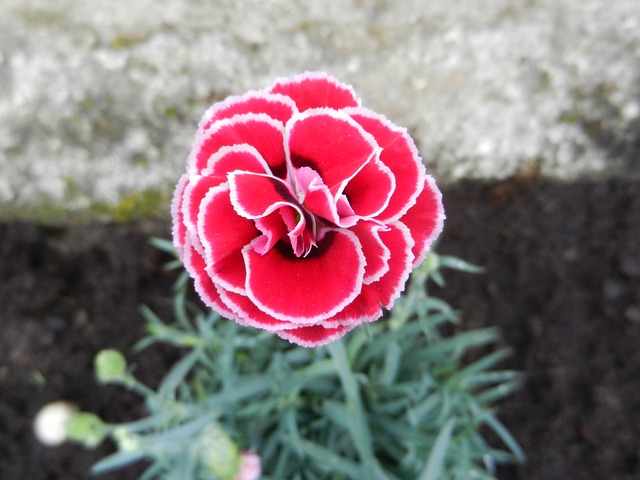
[562,284]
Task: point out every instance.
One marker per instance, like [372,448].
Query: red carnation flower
[302,212]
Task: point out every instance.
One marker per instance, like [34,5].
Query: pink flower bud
[250,467]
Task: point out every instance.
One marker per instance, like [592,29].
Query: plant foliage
[394,399]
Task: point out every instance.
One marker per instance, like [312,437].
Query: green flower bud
[87,429]
[126,441]
[432,262]
[110,366]
[218,453]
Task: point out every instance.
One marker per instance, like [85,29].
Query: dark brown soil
[562,284]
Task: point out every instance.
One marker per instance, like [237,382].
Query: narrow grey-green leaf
[435,462]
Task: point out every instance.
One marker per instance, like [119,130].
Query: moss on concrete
[132,207]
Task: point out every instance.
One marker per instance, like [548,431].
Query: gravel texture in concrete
[99,99]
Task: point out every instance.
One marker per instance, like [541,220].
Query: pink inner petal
[297,220]
[310,288]
[425,219]
[250,467]
[304,178]
[256,196]
[345,210]
[315,196]
[273,228]
[316,89]
[330,143]
[319,201]
[302,228]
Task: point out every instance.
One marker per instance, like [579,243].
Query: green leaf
[178,374]
[505,436]
[476,473]
[493,378]
[164,245]
[425,409]
[154,471]
[337,413]
[116,460]
[454,347]
[391,365]
[156,421]
[480,365]
[285,462]
[289,418]
[252,385]
[332,462]
[435,463]
[498,392]
[459,264]
[358,424]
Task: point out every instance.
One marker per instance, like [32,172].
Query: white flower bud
[50,424]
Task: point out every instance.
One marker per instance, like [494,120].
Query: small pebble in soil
[632,313]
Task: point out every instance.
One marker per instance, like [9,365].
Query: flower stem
[358,423]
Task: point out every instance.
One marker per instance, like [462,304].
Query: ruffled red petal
[330,143]
[179,230]
[370,190]
[204,286]
[375,251]
[365,308]
[236,157]
[397,239]
[256,130]
[400,154]
[254,195]
[229,272]
[309,288]
[425,220]
[313,336]
[248,314]
[223,234]
[316,89]
[278,107]
[195,190]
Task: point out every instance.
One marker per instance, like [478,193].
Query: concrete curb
[99,100]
